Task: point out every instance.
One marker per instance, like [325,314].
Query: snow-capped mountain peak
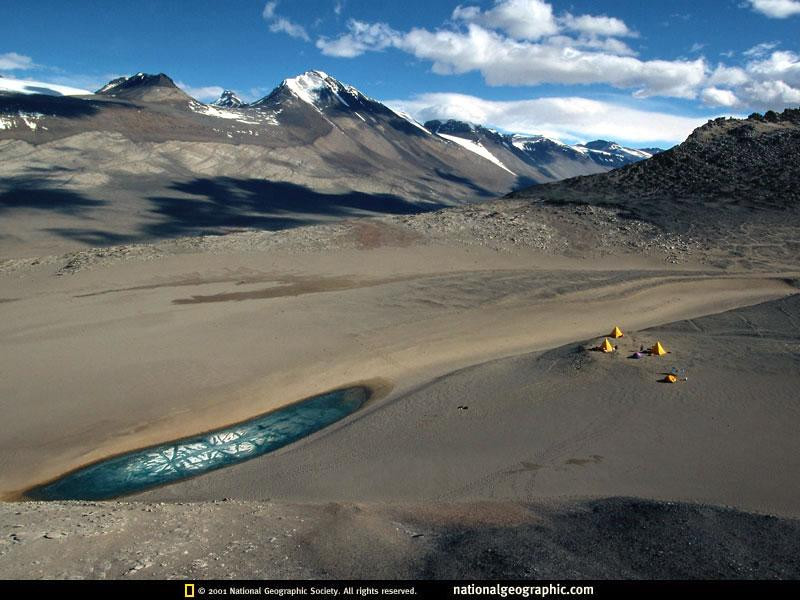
[521,141]
[228,99]
[314,87]
[322,92]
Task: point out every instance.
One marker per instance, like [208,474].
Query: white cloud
[571,119]
[766,82]
[776,9]
[269,10]
[509,62]
[610,45]
[521,19]
[760,49]
[728,76]
[361,37]
[290,28]
[782,65]
[338,6]
[771,94]
[11,61]
[278,24]
[522,42]
[597,25]
[202,93]
[717,97]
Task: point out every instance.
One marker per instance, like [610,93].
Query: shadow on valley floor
[26,196]
[481,191]
[215,205]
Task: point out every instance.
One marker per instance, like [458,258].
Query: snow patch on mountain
[238,115]
[24,86]
[477,148]
[523,141]
[29,119]
[411,120]
[605,151]
[603,148]
[634,152]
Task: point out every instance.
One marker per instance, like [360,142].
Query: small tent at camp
[606,346]
[617,333]
[670,378]
[658,350]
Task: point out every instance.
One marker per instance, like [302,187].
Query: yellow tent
[671,378]
[658,349]
[617,333]
[606,346]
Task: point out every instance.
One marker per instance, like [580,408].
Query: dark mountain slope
[145,88]
[751,163]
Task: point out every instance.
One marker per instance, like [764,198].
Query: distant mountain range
[316,102]
[539,157]
[143,140]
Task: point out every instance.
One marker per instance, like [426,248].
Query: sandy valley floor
[109,351]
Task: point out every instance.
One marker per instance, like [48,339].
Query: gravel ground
[612,538]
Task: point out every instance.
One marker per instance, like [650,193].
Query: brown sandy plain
[105,351]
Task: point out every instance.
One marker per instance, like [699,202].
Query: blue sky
[639,72]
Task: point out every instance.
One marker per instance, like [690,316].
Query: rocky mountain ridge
[753,162]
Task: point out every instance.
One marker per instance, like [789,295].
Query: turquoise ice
[159,465]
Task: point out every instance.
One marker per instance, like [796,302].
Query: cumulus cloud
[503,61]
[771,81]
[597,25]
[521,19]
[278,24]
[203,93]
[11,61]
[728,76]
[719,97]
[777,9]
[770,94]
[524,42]
[783,65]
[572,119]
[360,38]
